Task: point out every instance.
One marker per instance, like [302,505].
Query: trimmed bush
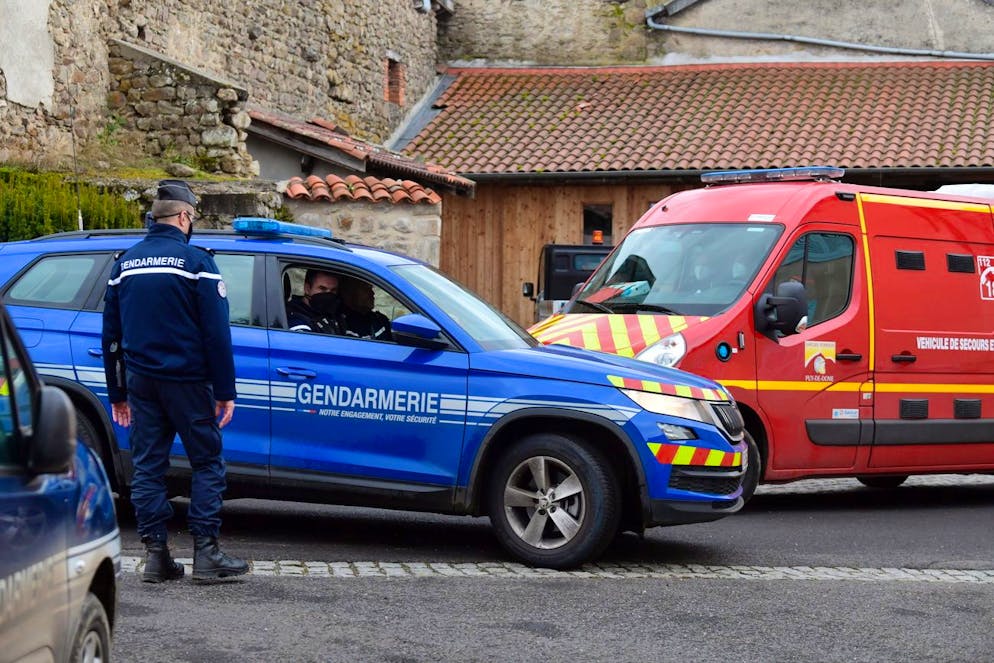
[35,204]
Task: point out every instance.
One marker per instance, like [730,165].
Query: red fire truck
[853,324]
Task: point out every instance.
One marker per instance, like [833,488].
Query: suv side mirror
[528,290]
[418,331]
[783,312]
[53,441]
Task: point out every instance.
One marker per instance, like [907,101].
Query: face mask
[325,303]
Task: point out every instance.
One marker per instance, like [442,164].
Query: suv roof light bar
[253,225]
[817,173]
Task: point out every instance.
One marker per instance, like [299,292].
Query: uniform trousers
[161,409]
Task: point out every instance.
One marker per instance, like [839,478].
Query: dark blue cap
[176,190]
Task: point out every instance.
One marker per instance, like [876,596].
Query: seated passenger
[319,309]
[357,312]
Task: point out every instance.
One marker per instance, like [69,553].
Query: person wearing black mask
[319,308]
[359,317]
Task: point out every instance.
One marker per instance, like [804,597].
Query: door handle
[299,373]
[95,352]
[848,356]
[903,359]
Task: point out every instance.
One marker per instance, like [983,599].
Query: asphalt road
[811,571]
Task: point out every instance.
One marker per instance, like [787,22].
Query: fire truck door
[809,380]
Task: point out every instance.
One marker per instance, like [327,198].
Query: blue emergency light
[774,175]
[251,225]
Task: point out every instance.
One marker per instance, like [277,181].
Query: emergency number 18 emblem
[986,266]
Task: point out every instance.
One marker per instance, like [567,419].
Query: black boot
[209,563]
[159,564]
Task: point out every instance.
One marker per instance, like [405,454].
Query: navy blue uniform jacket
[166,309]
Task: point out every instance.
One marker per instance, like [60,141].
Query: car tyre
[882,482]
[87,433]
[91,643]
[754,468]
[541,526]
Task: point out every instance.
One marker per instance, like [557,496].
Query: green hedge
[35,204]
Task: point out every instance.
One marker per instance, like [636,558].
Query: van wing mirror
[53,438]
[781,312]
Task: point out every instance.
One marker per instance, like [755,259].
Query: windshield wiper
[659,309]
[638,307]
[595,305]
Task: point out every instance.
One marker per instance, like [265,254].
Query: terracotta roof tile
[378,159]
[852,114]
[353,188]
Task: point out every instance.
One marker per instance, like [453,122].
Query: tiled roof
[697,117]
[353,188]
[369,156]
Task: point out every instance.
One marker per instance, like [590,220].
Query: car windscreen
[679,269]
[490,328]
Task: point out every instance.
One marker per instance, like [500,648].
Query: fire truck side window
[823,262]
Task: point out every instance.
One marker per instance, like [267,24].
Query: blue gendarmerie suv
[446,407]
[60,548]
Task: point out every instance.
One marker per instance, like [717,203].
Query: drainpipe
[650,15]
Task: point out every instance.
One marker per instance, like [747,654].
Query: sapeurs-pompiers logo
[819,359]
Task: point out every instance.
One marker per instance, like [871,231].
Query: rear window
[56,281]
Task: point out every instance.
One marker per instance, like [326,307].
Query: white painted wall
[27,57]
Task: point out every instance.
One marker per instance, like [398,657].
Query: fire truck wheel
[554,501]
[882,482]
[754,469]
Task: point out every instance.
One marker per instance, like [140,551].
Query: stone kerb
[182,113]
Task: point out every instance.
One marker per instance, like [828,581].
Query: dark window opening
[597,220]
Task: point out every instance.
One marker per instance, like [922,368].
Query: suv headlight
[666,351]
[674,406]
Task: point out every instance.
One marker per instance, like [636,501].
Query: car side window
[15,396]
[823,262]
[334,302]
[237,272]
[60,281]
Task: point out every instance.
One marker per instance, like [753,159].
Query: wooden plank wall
[492,242]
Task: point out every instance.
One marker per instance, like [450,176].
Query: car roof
[227,240]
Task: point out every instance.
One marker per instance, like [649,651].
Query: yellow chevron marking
[737,460]
[654,448]
[654,387]
[715,457]
[590,339]
[649,331]
[616,381]
[683,456]
[684,391]
[619,334]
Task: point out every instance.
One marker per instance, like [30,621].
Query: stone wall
[324,58]
[413,230]
[576,32]
[544,31]
[179,114]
